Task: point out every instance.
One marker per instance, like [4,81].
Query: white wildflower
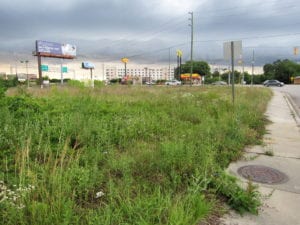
[99,194]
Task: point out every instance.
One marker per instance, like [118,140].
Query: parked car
[219,83]
[150,83]
[266,81]
[173,82]
[273,83]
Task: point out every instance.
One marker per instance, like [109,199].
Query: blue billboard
[53,49]
[87,65]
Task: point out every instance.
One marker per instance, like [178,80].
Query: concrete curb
[280,201]
[293,107]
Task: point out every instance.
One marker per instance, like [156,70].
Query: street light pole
[125,61]
[26,64]
[192,44]
[252,68]
[179,55]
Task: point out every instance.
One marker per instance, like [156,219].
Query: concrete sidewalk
[281,202]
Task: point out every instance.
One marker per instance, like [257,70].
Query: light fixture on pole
[252,67]
[179,56]
[125,61]
[192,43]
[26,63]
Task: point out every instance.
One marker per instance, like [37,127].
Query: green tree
[200,67]
[269,70]
[281,70]
[237,76]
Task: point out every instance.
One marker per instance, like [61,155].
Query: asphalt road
[294,92]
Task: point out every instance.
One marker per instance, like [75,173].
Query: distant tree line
[282,70]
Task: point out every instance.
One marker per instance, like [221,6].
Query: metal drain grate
[262,174]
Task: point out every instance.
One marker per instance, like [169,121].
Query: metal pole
[252,68]
[192,44]
[243,79]
[27,73]
[229,75]
[40,69]
[178,74]
[61,72]
[39,64]
[125,70]
[16,70]
[169,63]
[180,59]
[232,68]
[92,79]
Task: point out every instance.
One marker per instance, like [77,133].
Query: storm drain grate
[262,174]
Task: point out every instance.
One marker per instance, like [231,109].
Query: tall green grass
[125,155]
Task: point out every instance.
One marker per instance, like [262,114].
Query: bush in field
[57,81]
[75,83]
[99,83]
[11,82]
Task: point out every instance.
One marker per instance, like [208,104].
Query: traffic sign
[64,69]
[44,67]
[237,50]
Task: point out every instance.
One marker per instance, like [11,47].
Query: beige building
[102,71]
[149,72]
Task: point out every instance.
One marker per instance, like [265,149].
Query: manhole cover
[262,174]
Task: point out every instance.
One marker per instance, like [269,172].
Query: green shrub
[99,83]
[75,83]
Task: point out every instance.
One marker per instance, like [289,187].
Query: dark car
[273,83]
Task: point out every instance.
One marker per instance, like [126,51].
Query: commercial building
[102,71]
[145,72]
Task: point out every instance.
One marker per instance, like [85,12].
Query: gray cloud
[109,29]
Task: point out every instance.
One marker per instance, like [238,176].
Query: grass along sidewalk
[124,155]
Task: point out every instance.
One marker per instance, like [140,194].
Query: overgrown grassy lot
[125,155]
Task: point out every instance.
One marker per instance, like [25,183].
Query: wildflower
[99,194]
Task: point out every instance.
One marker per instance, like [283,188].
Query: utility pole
[26,64]
[169,63]
[232,70]
[252,67]
[241,62]
[243,77]
[192,43]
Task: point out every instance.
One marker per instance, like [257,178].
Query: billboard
[56,50]
[87,65]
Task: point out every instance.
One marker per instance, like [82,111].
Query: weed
[269,153]
[125,154]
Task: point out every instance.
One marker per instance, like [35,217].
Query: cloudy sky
[148,31]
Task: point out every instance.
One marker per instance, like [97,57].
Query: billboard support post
[90,66]
[40,69]
[92,79]
[232,70]
[61,72]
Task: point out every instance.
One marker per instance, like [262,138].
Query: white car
[173,82]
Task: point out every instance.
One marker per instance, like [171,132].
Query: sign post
[232,50]
[90,66]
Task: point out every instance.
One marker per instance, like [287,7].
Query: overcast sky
[145,30]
